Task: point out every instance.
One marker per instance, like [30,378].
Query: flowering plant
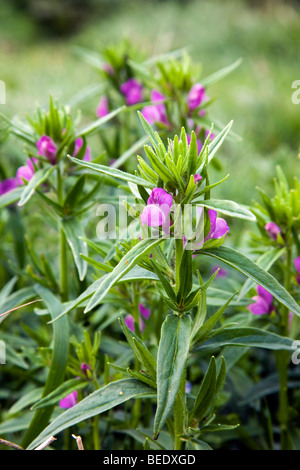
[137,322]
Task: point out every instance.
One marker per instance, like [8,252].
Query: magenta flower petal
[24,173]
[161,197]
[78,145]
[69,401]
[297,263]
[7,185]
[197,177]
[264,294]
[144,311]
[151,114]
[157,209]
[102,108]
[260,307]
[129,322]
[263,302]
[196,96]
[221,229]
[155,112]
[47,148]
[272,229]
[133,91]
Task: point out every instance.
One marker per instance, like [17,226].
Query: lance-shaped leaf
[11,197]
[94,126]
[38,178]
[217,141]
[248,267]
[74,233]
[110,396]
[171,359]
[247,336]
[114,172]
[58,363]
[126,264]
[226,207]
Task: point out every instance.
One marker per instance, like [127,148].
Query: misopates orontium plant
[277,243]
[174,178]
[151,275]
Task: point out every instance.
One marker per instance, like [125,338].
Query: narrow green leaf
[172,354]
[230,208]
[220,74]
[217,141]
[205,394]
[60,392]
[114,172]
[247,336]
[38,178]
[95,126]
[126,264]
[110,396]
[58,363]
[248,267]
[73,230]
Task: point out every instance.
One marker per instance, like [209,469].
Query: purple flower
[156,112]
[25,172]
[85,368]
[218,226]
[297,266]
[196,96]
[273,230]
[47,148]
[129,322]
[158,208]
[222,272]
[133,91]
[7,185]
[108,68]
[212,135]
[263,302]
[78,145]
[197,177]
[144,311]
[102,108]
[69,401]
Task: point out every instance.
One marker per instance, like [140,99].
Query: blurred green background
[38,57]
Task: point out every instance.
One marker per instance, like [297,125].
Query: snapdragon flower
[273,230]
[78,145]
[263,302]
[133,91]
[47,148]
[7,185]
[297,266]
[218,226]
[196,96]
[157,209]
[156,112]
[69,401]
[24,172]
[102,108]
[129,319]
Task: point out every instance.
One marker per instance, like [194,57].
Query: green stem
[63,248]
[178,256]
[282,366]
[63,266]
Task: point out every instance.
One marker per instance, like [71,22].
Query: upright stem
[63,248]
[283,358]
[178,256]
